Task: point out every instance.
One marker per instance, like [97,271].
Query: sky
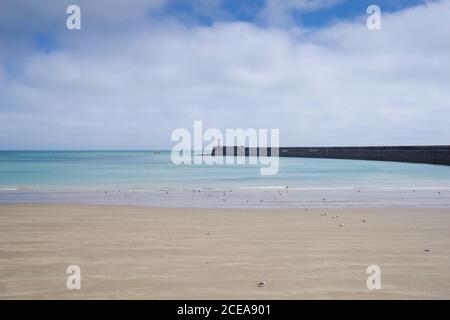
[138,70]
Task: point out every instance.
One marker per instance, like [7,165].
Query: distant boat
[156,152]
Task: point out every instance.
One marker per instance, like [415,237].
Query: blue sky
[249,11]
[138,70]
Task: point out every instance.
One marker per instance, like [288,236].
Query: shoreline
[130,252]
[259,197]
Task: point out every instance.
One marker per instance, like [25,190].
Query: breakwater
[414,154]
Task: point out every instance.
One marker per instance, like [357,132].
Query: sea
[155,169]
[45,175]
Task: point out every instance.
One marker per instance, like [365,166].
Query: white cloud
[342,85]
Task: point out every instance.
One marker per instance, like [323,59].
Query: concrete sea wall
[414,154]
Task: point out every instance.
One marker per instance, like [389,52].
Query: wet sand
[127,252]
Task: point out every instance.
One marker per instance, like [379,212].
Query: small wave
[414,188]
[264,187]
[299,188]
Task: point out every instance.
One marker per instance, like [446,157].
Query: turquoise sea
[153,170]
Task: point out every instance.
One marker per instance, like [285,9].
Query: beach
[135,252]
[225,150]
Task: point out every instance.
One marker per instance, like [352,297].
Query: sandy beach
[127,252]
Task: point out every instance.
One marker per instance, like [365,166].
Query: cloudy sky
[139,69]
